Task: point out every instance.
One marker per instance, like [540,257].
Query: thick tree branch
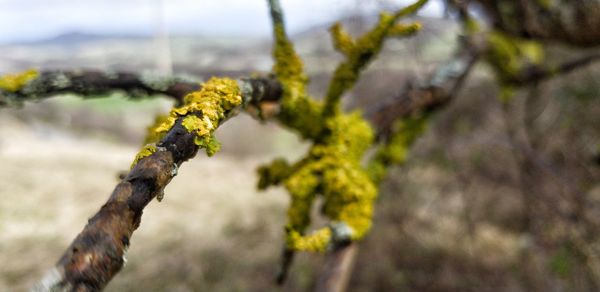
[574,22]
[97,254]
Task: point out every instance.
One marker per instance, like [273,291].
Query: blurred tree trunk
[576,22]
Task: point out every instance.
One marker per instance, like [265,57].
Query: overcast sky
[36,19]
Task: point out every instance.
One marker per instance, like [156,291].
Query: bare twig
[536,73]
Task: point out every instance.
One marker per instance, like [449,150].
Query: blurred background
[457,217]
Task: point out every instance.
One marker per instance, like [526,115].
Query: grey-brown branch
[97,253]
[94,84]
[537,73]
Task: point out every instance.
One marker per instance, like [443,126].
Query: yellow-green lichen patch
[302,114]
[315,242]
[360,52]
[146,151]
[288,66]
[395,151]
[411,9]
[201,127]
[152,136]
[402,29]
[201,114]
[203,111]
[298,111]
[342,41]
[274,173]
[15,82]
[509,56]
[331,169]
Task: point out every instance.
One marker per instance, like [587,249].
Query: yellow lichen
[361,51]
[203,111]
[146,151]
[152,136]
[288,66]
[15,82]
[395,151]
[405,29]
[509,56]
[342,41]
[201,114]
[316,242]
[298,111]
[332,167]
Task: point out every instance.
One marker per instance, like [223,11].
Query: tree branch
[573,22]
[535,73]
[337,269]
[93,84]
[97,253]
[424,97]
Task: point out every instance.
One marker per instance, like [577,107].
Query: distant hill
[76,37]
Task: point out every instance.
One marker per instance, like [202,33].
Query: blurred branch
[97,253]
[536,73]
[427,96]
[361,51]
[94,84]
[337,269]
[575,22]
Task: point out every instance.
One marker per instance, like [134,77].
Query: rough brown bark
[96,254]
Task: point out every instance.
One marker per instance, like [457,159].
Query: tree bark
[97,253]
[574,22]
[337,269]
